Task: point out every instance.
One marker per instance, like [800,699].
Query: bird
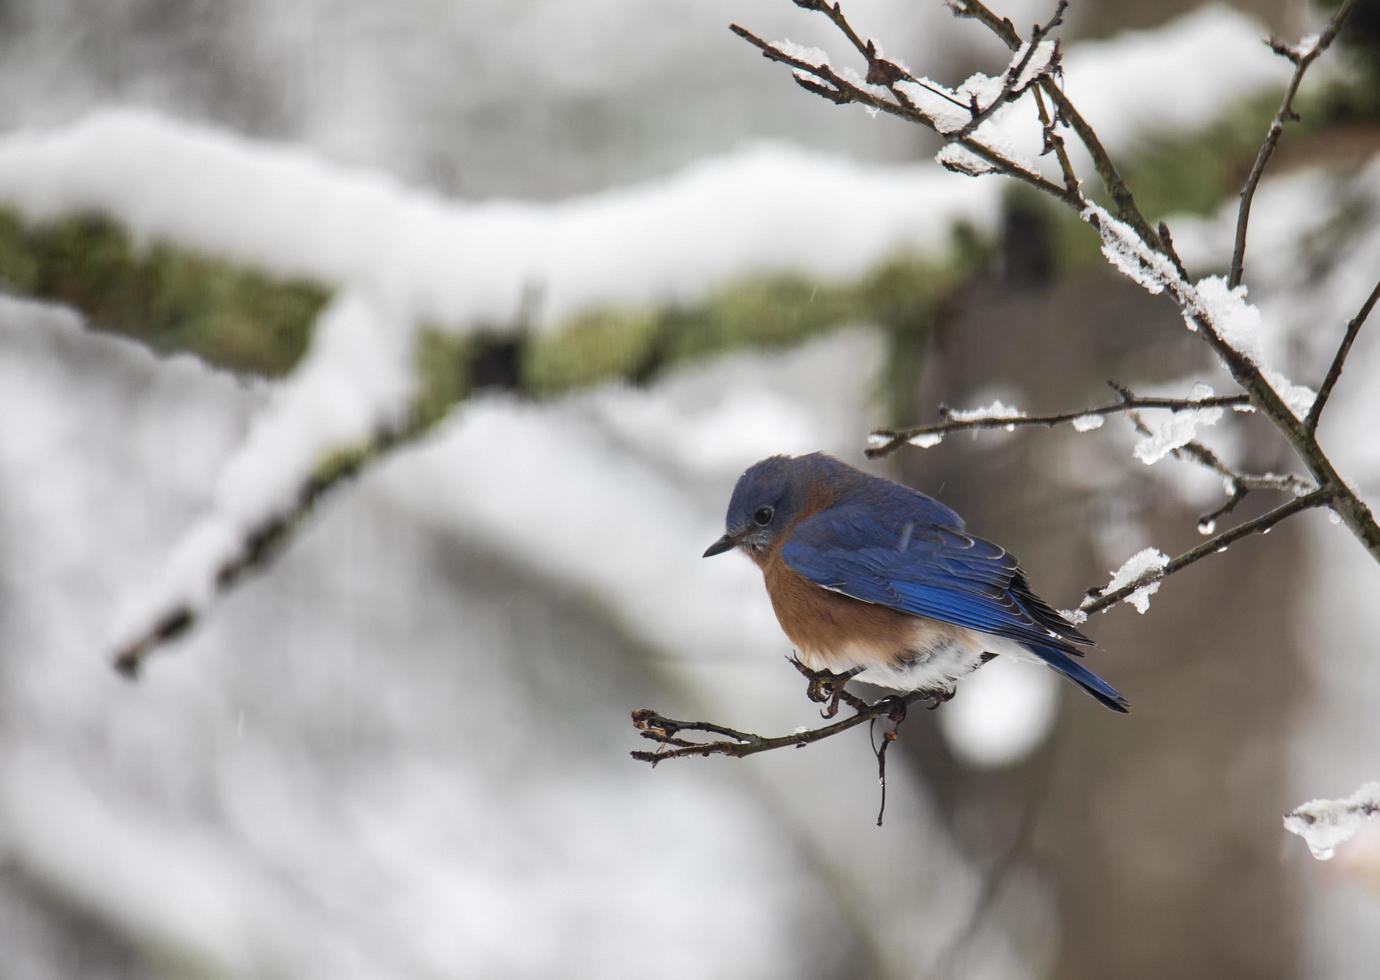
[873,579]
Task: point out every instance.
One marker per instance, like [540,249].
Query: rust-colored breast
[830,629]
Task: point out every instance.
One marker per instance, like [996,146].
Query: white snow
[1086,423]
[801,52]
[959,159]
[1324,824]
[1176,429]
[462,264]
[927,440]
[1239,324]
[996,410]
[943,105]
[1122,247]
[403,257]
[1217,58]
[1139,564]
[1038,65]
[354,380]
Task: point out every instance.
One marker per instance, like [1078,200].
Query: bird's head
[766,501]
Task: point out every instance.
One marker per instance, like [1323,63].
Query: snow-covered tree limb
[1216,309]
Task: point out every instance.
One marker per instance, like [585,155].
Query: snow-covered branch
[891,88]
[884,442]
[1215,307]
[1146,570]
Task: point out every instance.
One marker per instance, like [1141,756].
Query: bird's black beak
[726,543]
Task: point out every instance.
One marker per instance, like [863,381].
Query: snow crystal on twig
[1238,323]
[937,102]
[961,160]
[1038,65]
[800,52]
[1323,824]
[926,440]
[855,79]
[1141,563]
[1129,255]
[997,410]
[1177,430]
[1086,423]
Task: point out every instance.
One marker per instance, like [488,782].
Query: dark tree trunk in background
[1157,829]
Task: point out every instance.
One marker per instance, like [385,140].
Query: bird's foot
[897,712]
[940,695]
[827,687]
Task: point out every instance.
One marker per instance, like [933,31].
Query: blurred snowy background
[401,750]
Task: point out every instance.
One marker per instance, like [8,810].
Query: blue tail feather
[1081,676]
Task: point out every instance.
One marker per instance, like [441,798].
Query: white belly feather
[937,655]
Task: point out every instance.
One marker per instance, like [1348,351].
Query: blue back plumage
[886,544]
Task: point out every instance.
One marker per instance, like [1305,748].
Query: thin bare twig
[738,744]
[895,716]
[824,687]
[1334,370]
[1302,60]
[1054,141]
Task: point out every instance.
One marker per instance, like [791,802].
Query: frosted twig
[824,81]
[1323,824]
[1097,600]
[1012,89]
[1301,59]
[1237,483]
[1334,370]
[883,442]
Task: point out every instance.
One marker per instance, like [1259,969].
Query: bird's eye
[763,516]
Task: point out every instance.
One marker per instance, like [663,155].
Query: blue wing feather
[894,552]
[924,569]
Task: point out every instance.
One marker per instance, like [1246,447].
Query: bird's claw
[825,687]
[940,695]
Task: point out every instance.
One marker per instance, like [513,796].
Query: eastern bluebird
[867,573]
